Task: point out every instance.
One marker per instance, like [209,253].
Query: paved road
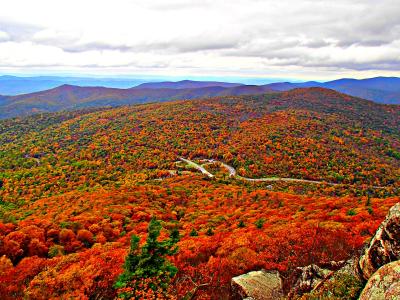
[196,166]
[233,173]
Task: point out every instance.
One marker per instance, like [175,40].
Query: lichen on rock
[384,284]
[384,246]
[258,285]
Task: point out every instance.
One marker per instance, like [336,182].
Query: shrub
[260,223]
[341,286]
[209,232]
[351,212]
[86,237]
[241,224]
[193,232]
[56,250]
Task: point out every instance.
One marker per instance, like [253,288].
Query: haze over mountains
[186,84]
[378,89]
[13,85]
[66,97]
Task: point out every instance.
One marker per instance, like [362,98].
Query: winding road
[197,166]
[233,173]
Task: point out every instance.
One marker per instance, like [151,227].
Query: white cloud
[4,36]
[304,38]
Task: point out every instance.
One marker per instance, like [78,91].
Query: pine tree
[193,232]
[148,267]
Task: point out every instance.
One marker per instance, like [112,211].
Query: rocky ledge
[379,265]
[384,246]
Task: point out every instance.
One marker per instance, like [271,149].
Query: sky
[294,39]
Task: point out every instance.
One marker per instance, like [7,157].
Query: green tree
[260,223]
[193,232]
[148,267]
[210,232]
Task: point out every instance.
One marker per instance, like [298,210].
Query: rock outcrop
[307,278]
[384,283]
[258,285]
[384,246]
[310,277]
[383,249]
[379,264]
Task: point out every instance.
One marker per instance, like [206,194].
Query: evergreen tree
[193,232]
[147,267]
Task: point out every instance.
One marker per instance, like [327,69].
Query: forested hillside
[69,97]
[75,186]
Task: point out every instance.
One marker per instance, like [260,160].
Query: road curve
[233,173]
[196,166]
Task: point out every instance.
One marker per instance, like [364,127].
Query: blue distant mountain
[13,85]
[91,93]
[378,89]
[185,84]
[68,97]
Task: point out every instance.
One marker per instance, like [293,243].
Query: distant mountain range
[378,89]
[185,84]
[13,85]
[67,97]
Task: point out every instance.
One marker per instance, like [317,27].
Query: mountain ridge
[379,89]
[68,96]
[14,85]
[185,84]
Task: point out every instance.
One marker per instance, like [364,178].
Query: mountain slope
[389,84]
[75,186]
[67,97]
[330,127]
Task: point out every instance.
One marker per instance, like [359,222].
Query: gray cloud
[355,35]
[202,42]
[18,31]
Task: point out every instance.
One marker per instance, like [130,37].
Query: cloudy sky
[296,39]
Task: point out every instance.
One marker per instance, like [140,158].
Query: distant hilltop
[88,92]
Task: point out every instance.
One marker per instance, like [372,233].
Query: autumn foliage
[76,186]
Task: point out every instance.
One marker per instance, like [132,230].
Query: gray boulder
[384,246]
[258,285]
[384,284]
